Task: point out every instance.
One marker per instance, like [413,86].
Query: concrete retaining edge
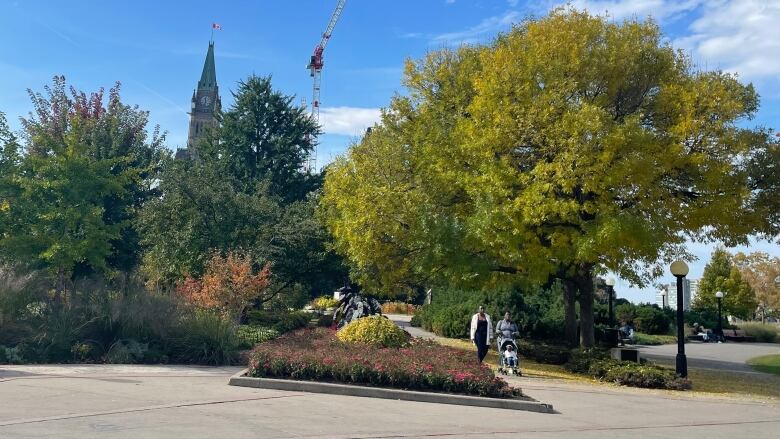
[240,379]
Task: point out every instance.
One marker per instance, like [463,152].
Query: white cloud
[737,36]
[348,121]
[660,10]
[486,28]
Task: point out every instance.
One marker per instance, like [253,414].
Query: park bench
[737,335]
[694,336]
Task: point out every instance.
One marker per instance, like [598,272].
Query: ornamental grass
[317,355]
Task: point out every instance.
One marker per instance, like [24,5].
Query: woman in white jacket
[481,331]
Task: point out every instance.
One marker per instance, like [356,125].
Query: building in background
[690,289]
[694,287]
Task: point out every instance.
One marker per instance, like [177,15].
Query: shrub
[229,285]
[543,353]
[538,314]
[10,355]
[325,321]
[762,333]
[324,302]
[643,375]
[706,318]
[598,364]
[452,321]
[398,308]
[291,321]
[653,340]
[249,335]
[261,317]
[280,321]
[316,354]
[651,320]
[581,359]
[376,330]
[127,352]
[205,338]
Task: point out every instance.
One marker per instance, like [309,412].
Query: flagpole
[212,33]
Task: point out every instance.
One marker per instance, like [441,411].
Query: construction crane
[315,68]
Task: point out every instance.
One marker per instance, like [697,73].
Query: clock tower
[206,104]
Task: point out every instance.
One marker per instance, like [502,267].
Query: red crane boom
[315,67]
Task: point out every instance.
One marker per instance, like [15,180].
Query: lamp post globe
[680,269]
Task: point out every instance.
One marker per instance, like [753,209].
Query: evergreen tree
[264,137]
[246,192]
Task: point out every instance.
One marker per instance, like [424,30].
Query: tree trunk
[570,313]
[585,287]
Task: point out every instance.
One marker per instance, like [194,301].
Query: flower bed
[317,355]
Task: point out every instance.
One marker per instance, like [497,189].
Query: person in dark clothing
[481,332]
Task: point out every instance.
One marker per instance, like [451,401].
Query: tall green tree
[264,137]
[69,194]
[721,274]
[104,129]
[246,192]
[569,146]
[10,159]
[760,271]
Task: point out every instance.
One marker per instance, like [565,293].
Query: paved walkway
[730,356]
[106,401]
[403,321]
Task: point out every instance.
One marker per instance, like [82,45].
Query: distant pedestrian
[481,332]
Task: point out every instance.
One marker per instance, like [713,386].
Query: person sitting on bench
[702,332]
[625,332]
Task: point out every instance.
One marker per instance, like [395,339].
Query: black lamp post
[663,299]
[680,269]
[719,296]
[610,292]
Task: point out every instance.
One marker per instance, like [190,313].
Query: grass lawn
[766,364]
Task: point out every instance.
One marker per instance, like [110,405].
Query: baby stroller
[503,363]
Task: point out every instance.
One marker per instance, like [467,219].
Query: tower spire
[208,79]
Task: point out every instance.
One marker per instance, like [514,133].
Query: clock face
[205,100]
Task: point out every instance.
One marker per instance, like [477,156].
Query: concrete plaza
[108,401]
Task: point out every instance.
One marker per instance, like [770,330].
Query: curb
[240,379]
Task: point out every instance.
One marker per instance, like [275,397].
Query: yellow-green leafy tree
[721,274]
[567,147]
[760,271]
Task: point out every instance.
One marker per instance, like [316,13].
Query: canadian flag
[216,26]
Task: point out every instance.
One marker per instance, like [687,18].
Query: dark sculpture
[353,306]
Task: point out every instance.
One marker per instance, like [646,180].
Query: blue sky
[156,50]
